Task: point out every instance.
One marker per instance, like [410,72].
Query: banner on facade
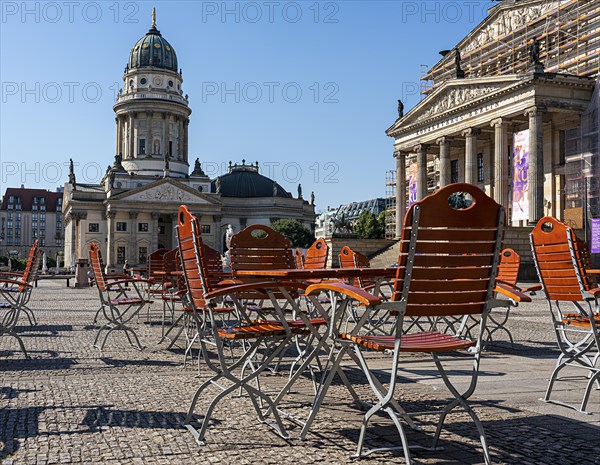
[412,183]
[595,242]
[520,203]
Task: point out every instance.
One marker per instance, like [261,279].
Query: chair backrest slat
[351,259]
[508,269]
[97,266]
[561,271]
[197,260]
[448,256]
[299,259]
[155,261]
[316,255]
[259,247]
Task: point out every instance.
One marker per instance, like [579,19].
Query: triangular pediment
[453,96]
[499,25]
[166,191]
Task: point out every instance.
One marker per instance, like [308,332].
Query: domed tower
[152,115]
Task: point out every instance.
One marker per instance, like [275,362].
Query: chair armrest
[11,273]
[595,292]
[350,291]
[534,288]
[14,282]
[117,276]
[511,292]
[254,287]
[125,281]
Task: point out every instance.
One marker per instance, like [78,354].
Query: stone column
[421,171]
[501,182]
[154,226]
[132,246]
[118,125]
[535,189]
[165,141]
[186,124]
[445,175]
[400,191]
[110,239]
[470,136]
[179,139]
[132,153]
[149,146]
[81,253]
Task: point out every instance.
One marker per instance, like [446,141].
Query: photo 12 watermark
[270,12]
[69,12]
[270,92]
[13,173]
[444,11]
[57,92]
[290,172]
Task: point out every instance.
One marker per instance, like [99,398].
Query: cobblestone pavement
[71,403]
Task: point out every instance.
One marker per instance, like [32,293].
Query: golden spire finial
[153,17]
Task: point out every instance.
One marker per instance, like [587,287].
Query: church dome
[153,50]
[245,181]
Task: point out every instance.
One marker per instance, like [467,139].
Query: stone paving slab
[74,404]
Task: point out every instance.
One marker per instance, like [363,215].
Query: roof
[27,195]
[153,50]
[245,181]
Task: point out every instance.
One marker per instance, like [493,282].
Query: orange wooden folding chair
[316,255]
[29,275]
[121,300]
[264,340]
[15,292]
[561,260]
[446,268]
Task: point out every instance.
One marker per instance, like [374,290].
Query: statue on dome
[299,191]
[400,109]
[218,186]
[198,169]
[312,198]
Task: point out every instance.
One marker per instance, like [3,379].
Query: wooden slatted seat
[431,341]
[562,262]
[447,264]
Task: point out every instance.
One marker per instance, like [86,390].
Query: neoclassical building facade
[528,70]
[132,211]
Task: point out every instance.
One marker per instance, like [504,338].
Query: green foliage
[298,234]
[370,226]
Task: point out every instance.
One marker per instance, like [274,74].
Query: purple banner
[595,242]
[412,183]
[520,202]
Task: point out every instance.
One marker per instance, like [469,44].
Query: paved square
[74,404]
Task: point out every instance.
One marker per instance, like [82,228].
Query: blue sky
[305,88]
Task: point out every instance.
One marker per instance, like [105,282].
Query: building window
[43,241]
[480,167]
[142,227]
[205,229]
[454,171]
[121,226]
[171,148]
[93,227]
[9,216]
[17,241]
[142,147]
[11,199]
[142,254]
[120,255]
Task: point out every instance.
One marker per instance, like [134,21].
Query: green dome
[153,50]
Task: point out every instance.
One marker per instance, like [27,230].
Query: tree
[370,226]
[298,234]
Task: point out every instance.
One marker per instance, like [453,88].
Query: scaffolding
[568,34]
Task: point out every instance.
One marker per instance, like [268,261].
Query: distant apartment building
[347,213]
[30,214]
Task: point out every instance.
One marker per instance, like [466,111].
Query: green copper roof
[153,50]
